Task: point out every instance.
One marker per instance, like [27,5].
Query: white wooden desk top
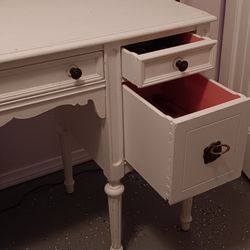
[32,27]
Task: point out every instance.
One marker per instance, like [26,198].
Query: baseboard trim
[40,169]
[246,168]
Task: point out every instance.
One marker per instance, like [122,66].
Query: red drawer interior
[185,95]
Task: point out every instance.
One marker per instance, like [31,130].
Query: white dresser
[137,63]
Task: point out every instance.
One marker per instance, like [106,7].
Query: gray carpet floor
[48,218]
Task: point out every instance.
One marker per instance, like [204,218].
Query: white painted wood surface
[66,151]
[38,34]
[168,152]
[37,151]
[159,66]
[186,214]
[114,193]
[16,16]
[100,22]
[148,138]
[50,75]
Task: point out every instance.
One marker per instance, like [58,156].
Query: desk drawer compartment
[185,137]
[49,76]
[164,59]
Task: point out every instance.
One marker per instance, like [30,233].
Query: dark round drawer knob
[182,65]
[75,73]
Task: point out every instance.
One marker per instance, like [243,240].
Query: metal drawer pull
[214,151]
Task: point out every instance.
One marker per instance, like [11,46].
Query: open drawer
[156,61]
[185,137]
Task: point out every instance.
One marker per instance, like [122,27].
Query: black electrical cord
[47,185]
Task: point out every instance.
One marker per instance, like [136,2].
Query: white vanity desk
[62,52]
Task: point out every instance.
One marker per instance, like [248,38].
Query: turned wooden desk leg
[186,211]
[114,193]
[67,160]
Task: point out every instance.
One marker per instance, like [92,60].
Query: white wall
[30,148]
[216,8]
[235,63]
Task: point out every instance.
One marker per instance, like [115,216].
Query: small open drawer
[152,62]
[185,137]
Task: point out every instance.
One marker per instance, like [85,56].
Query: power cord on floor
[47,185]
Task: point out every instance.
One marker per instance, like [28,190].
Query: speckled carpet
[48,218]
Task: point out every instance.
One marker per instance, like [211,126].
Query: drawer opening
[163,43]
[185,95]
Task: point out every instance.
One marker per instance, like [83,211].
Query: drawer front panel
[162,69]
[191,175]
[160,65]
[227,132]
[50,76]
[166,142]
